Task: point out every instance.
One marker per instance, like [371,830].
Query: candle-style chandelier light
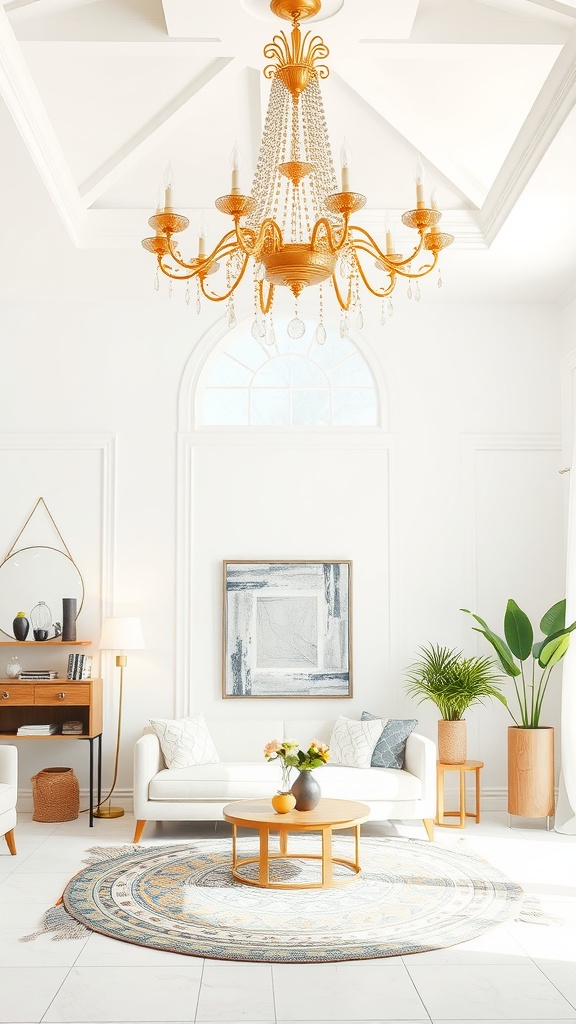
[295,226]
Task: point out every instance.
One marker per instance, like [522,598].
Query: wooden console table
[56,700]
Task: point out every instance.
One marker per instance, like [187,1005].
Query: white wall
[460,504]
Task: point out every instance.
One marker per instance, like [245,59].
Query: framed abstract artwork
[287,629]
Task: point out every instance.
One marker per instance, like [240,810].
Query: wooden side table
[461,813]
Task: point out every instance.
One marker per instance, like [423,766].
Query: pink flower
[271,748]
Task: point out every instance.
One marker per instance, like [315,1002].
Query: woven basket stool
[56,795]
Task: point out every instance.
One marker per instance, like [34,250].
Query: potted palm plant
[453,683]
[529,664]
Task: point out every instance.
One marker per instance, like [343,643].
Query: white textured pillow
[352,743]
[185,742]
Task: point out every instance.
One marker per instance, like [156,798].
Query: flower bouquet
[290,756]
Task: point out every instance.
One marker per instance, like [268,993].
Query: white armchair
[8,793]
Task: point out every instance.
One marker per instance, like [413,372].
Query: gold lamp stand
[110,811]
[119,634]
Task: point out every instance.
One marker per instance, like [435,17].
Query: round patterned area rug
[411,896]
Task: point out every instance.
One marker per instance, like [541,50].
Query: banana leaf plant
[519,647]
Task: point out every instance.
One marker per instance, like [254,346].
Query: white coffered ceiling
[105,92]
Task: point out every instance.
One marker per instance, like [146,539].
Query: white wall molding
[188,446]
[471,444]
[106,445]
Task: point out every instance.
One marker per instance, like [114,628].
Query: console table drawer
[61,693]
[11,693]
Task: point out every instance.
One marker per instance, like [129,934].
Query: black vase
[307,792]
[68,618]
[20,627]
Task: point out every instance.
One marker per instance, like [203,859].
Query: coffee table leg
[233,846]
[283,840]
[462,798]
[357,844]
[263,861]
[326,856]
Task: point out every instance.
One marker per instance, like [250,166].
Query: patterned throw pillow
[352,742]
[390,749]
[185,742]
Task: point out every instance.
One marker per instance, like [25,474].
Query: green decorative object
[518,647]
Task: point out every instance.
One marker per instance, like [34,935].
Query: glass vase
[285,780]
[41,619]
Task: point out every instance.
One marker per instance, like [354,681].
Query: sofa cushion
[390,749]
[352,742]
[185,742]
[244,780]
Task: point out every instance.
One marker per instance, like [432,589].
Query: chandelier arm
[225,247]
[381,293]
[220,298]
[395,267]
[265,303]
[252,245]
[168,272]
[330,234]
[376,251]
[344,304]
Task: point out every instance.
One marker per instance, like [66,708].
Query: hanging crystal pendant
[417,292]
[187,295]
[296,328]
[156,282]
[170,287]
[360,321]
[271,335]
[439,278]
[409,292]
[390,308]
[320,334]
[255,330]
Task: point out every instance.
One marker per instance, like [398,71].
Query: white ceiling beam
[554,5]
[24,103]
[157,129]
[469,187]
[555,101]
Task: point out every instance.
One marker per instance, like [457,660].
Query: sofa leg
[429,826]
[140,825]
[11,841]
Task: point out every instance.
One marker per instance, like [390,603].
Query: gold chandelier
[295,226]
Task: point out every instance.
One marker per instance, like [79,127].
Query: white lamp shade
[122,634]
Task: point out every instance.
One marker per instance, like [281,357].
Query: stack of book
[37,730]
[72,729]
[39,673]
[79,666]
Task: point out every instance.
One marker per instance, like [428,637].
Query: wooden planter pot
[531,772]
[451,741]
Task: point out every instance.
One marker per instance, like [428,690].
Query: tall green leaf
[504,653]
[554,650]
[518,631]
[554,620]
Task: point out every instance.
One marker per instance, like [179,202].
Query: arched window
[294,383]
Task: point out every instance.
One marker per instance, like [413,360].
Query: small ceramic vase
[283,802]
[20,626]
[13,668]
[307,791]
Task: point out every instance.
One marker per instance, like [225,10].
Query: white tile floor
[522,972]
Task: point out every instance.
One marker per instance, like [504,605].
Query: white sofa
[8,794]
[200,793]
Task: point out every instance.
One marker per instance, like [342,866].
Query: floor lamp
[121,635]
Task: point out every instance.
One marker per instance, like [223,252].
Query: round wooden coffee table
[325,818]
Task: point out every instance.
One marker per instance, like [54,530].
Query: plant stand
[461,813]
